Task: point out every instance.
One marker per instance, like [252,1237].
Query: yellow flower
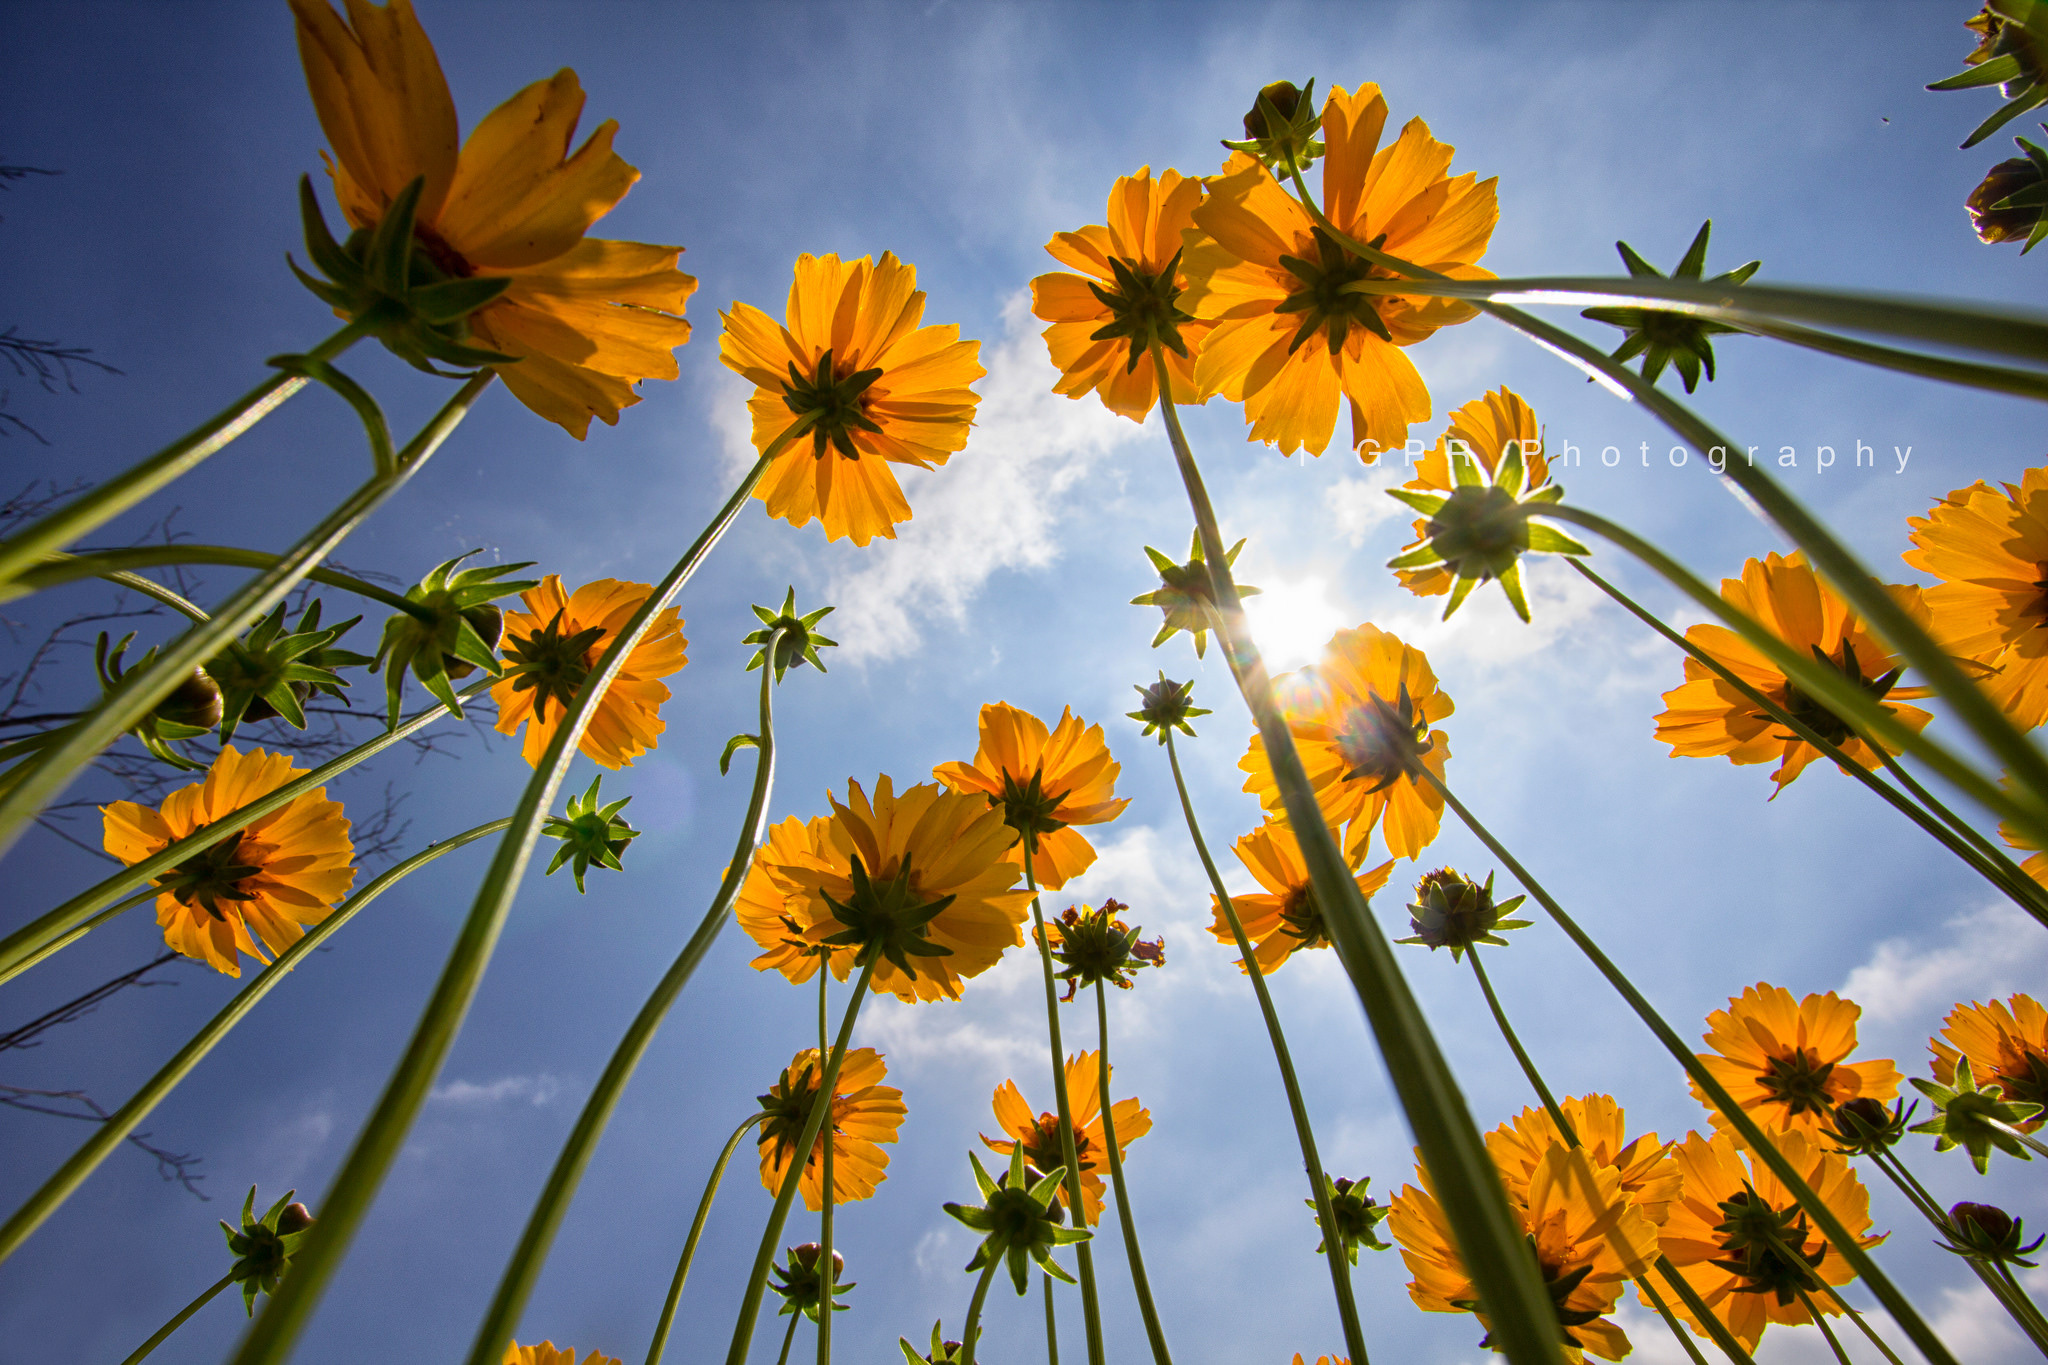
[588,318]
[1706,716]
[1648,1178]
[546,1354]
[2007,1044]
[1288,342]
[1483,427]
[253,891]
[865,1114]
[1353,752]
[1043,1149]
[1988,549]
[858,385]
[1588,1234]
[1288,918]
[1784,1062]
[763,910]
[1043,782]
[885,864]
[1734,1213]
[1126,297]
[550,649]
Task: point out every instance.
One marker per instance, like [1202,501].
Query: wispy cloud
[1984,953]
[538,1091]
[994,506]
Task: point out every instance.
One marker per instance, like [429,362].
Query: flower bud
[194,702]
[1284,96]
[1996,225]
[488,621]
[296,1217]
[807,1257]
[1993,1222]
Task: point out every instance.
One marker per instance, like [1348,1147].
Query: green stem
[1854,1317]
[973,1327]
[1824,682]
[1717,1095]
[150,588]
[1489,1236]
[1318,1182]
[2002,1127]
[117,564]
[377,1146]
[1052,1329]
[825,1273]
[1989,851]
[36,940]
[1084,1259]
[1153,1331]
[821,1106]
[515,1285]
[1709,1320]
[675,1288]
[164,1332]
[2018,887]
[2020,1310]
[787,1338]
[2021,1305]
[133,697]
[123,1121]
[102,504]
[1993,378]
[72,936]
[2017,333]
[1820,1321]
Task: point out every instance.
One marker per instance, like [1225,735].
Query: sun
[1293,621]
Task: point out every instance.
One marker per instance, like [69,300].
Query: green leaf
[1997,71]
[733,746]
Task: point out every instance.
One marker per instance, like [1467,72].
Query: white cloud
[1360,505]
[1988,952]
[994,506]
[538,1091]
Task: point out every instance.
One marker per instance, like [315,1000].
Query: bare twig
[25,1036]
[170,1165]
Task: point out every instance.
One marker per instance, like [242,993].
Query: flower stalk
[1154,1333]
[675,1288]
[1319,1184]
[178,1319]
[378,1144]
[515,1285]
[1487,1234]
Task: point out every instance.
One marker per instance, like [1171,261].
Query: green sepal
[733,746]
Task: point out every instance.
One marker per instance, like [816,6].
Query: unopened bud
[1995,1223]
[296,1217]
[194,702]
[1996,225]
[488,621]
[1284,96]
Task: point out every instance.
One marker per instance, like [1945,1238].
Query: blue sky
[961,137]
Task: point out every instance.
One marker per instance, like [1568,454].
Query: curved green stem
[1992,378]
[150,588]
[163,1333]
[2017,333]
[521,1272]
[72,936]
[377,1146]
[2012,1132]
[133,697]
[1989,851]
[100,505]
[123,1121]
[42,936]
[118,564]
[821,1107]
[1717,1095]
[1488,1235]
[1529,1070]
[675,1288]
[973,1327]
[1084,1259]
[1319,1184]
[1153,1331]
[2000,871]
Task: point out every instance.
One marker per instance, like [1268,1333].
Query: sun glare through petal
[1293,621]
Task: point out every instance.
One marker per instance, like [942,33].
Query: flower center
[1766,1248]
[889,917]
[789,1108]
[211,876]
[1322,300]
[1301,916]
[1799,1082]
[1143,308]
[1043,1151]
[1377,747]
[1029,808]
[830,406]
[550,664]
[1817,717]
[450,262]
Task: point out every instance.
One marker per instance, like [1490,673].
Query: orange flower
[550,649]
[1643,1166]
[857,385]
[2007,1044]
[546,1354]
[1288,341]
[1353,753]
[943,849]
[1289,918]
[865,1114]
[1784,1062]
[1989,550]
[1729,1196]
[1706,716]
[1104,318]
[588,318]
[1483,427]
[253,891]
[1043,1150]
[1043,782]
